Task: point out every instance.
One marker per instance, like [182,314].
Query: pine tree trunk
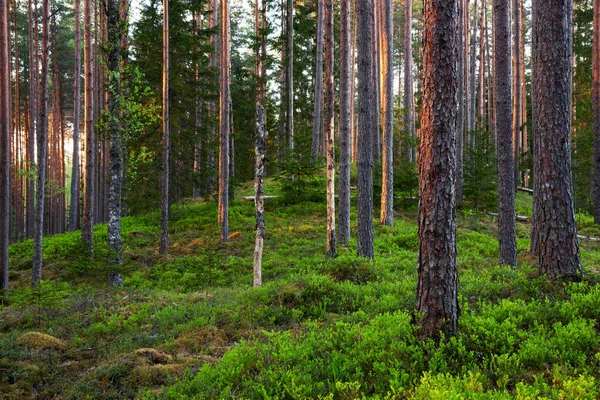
[461,111]
[4,145]
[517,121]
[164,210]
[482,35]
[504,134]
[387,56]
[32,119]
[260,151]
[558,249]
[316,136]
[596,103]
[409,125]
[87,229]
[472,77]
[328,123]
[197,118]
[213,21]
[343,233]
[353,118]
[437,296]
[36,272]
[290,73]
[224,125]
[74,206]
[365,129]
[375,78]
[524,140]
[115,244]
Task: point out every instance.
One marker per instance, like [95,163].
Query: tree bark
[329,127]
[472,76]
[164,210]
[87,229]
[197,118]
[74,206]
[596,103]
[316,135]
[409,125]
[387,175]
[461,111]
[345,125]
[33,72]
[365,129]
[224,125]
[554,218]
[213,21]
[260,151]
[504,134]
[437,296]
[290,74]
[36,272]
[4,145]
[517,120]
[115,244]
[375,78]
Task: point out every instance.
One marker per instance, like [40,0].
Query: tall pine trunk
[329,127]
[387,56]
[4,145]
[33,73]
[596,102]
[409,97]
[554,214]
[365,129]
[504,134]
[316,128]
[437,287]
[224,125]
[74,206]
[461,111]
[290,74]
[472,76]
[87,229]
[517,120]
[345,125]
[36,272]
[115,244]
[164,209]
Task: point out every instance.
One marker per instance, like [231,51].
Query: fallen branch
[520,218]
[251,198]
[526,190]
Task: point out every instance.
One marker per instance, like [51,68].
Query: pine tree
[316,128]
[365,129]
[87,229]
[504,134]
[224,124]
[4,145]
[387,55]
[329,127]
[164,208]
[596,103]
[74,206]
[554,212]
[437,287]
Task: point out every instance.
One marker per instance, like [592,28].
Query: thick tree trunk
[504,132]
[36,272]
[365,129]
[260,151]
[115,244]
[596,103]
[329,127]
[316,135]
[437,296]
[87,229]
[345,125]
[164,210]
[558,249]
[517,121]
[224,125]
[4,145]
[461,111]
[74,206]
[33,72]
[387,176]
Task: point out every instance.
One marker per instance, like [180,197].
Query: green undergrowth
[189,325]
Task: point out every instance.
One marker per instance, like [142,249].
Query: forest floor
[189,324]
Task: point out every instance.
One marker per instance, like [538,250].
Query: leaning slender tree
[437,287]
[365,129]
[4,145]
[164,209]
[504,134]
[554,211]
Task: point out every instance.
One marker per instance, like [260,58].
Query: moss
[202,340]
[37,340]
[152,355]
